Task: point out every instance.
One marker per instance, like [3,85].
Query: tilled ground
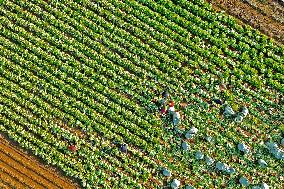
[266,16]
[19,170]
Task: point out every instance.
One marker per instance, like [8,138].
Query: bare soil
[265,15]
[20,169]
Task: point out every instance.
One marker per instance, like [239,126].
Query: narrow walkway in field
[21,170]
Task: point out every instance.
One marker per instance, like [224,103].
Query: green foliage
[97,65]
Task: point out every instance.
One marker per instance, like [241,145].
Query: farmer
[123,148]
[176,118]
[165,94]
[72,148]
[163,110]
[171,107]
[218,101]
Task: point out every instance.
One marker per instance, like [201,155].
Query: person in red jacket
[72,148]
[171,104]
[171,107]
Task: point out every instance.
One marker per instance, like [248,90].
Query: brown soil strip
[6,178]
[268,9]
[29,168]
[277,5]
[21,171]
[15,174]
[52,178]
[3,185]
[262,18]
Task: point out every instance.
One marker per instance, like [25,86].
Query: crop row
[95,66]
[244,34]
[48,139]
[73,32]
[140,31]
[78,95]
[52,101]
[88,54]
[208,37]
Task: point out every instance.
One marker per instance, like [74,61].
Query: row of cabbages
[272,147]
[245,182]
[223,167]
[275,150]
[228,112]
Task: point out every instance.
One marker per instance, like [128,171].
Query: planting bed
[85,74]
[20,170]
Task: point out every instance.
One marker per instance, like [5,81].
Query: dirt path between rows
[267,16]
[22,170]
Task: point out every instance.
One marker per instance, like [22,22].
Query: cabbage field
[89,73]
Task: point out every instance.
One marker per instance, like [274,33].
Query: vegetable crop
[85,73]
